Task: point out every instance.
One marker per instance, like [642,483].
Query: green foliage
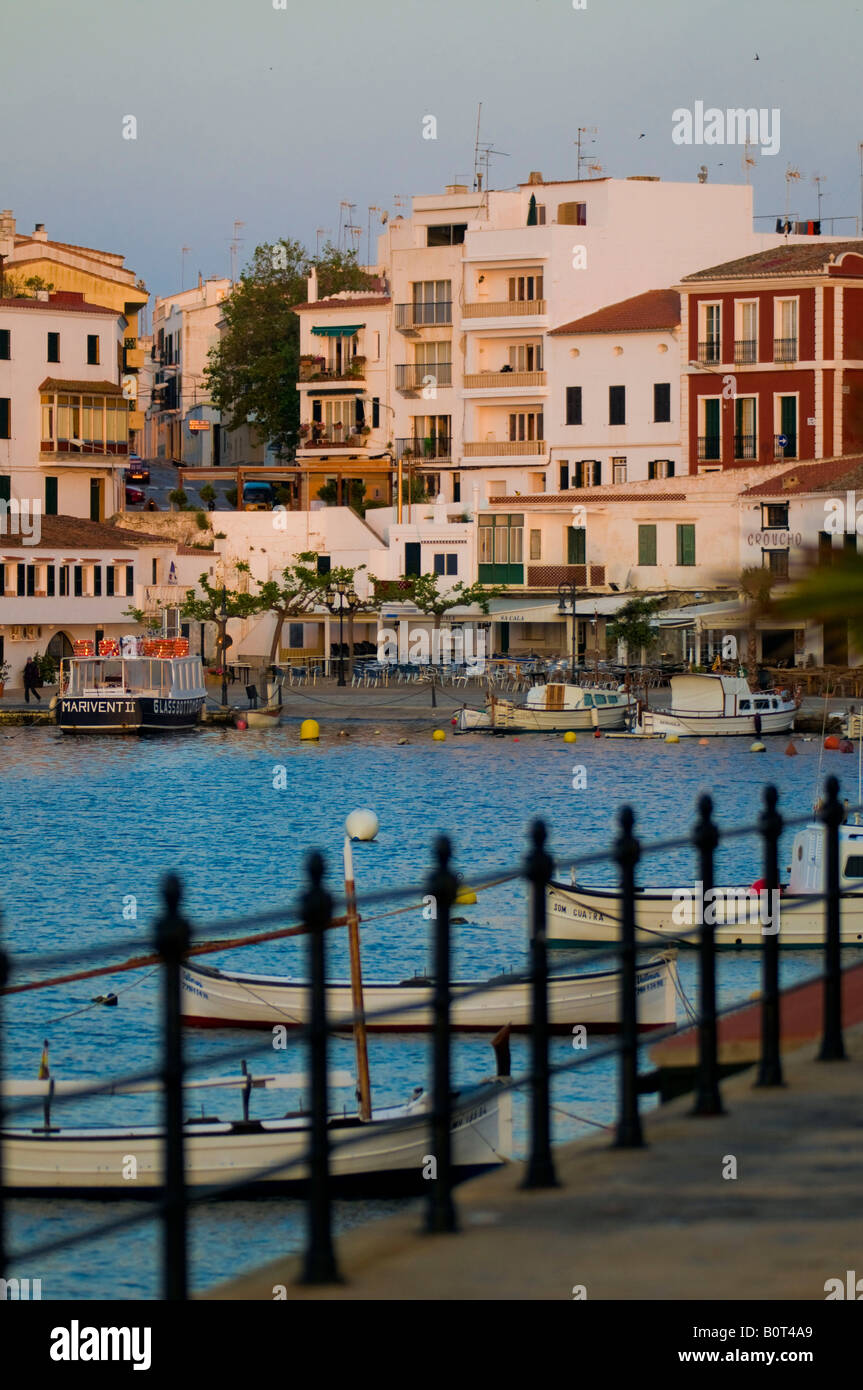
[423,591]
[299,590]
[329,493]
[231,496]
[207,493]
[828,592]
[208,608]
[633,625]
[201,520]
[254,368]
[47,668]
[179,499]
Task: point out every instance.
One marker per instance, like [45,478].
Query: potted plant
[365,431]
[5,672]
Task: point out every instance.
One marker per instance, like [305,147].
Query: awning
[342,330]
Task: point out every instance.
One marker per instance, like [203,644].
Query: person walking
[32,679]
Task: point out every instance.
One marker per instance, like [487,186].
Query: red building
[773,357]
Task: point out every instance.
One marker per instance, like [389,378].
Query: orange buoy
[832,742]
[791,751]
[597,733]
[241,724]
[703,742]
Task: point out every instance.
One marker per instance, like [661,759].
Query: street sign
[198,424]
[782,440]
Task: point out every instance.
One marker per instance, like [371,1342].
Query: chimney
[313,285]
[534,177]
[39,233]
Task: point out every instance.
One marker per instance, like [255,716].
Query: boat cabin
[571,697]
[156,677]
[720,695]
[808,870]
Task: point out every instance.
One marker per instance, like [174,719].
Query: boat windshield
[139,676]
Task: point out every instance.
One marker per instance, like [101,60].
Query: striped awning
[341,330]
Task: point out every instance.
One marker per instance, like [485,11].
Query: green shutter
[5,488]
[686,545]
[647,545]
[576,545]
[50,496]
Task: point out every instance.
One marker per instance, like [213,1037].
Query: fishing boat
[259,718]
[710,705]
[132,685]
[384,1155]
[583,916]
[214,998]
[551,708]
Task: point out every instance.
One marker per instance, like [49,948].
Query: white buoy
[362,825]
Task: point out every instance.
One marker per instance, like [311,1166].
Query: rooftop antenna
[477,177]
[184,251]
[344,205]
[818,179]
[792,175]
[584,158]
[321,231]
[702,173]
[236,243]
[353,229]
[372,208]
[748,159]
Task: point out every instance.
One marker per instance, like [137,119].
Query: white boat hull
[591,917]
[695,725]
[519,718]
[216,999]
[261,718]
[364,1158]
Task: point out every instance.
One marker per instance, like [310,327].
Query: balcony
[411,377]
[787,450]
[504,309]
[745,446]
[709,351]
[492,381]
[433,449]
[314,441]
[745,351]
[504,448]
[549,576]
[410,317]
[784,349]
[709,447]
[355,370]
[133,359]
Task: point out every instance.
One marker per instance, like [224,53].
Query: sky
[275,116]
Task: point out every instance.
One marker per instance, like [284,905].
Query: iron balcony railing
[709,351]
[430,448]
[745,446]
[784,349]
[709,447]
[435,311]
[745,351]
[415,376]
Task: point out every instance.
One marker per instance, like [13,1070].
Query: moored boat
[711,705]
[259,718]
[217,999]
[590,916]
[131,686]
[551,708]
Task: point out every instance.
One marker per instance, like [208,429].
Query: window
[525,287]
[448,234]
[774,516]
[92,349]
[785,331]
[526,425]
[709,346]
[432,301]
[776,561]
[53,347]
[618,470]
[854,866]
[324,564]
[64,581]
[50,496]
[573,405]
[710,438]
[564,476]
[525,357]
[501,549]
[647,545]
[746,331]
[413,558]
[110,579]
[5,344]
[295,635]
[78,580]
[785,410]
[661,402]
[576,545]
[686,544]
[5,417]
[617,405]
[660,468]
[588,473]
[446,564]
[745,442]
[536,545]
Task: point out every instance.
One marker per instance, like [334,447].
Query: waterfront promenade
[656,1223]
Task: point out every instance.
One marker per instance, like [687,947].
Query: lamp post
[568,592]
[223,632]
[341,598]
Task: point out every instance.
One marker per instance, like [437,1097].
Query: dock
[660,1222]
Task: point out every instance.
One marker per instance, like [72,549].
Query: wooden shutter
[317,407]
[686,545]
[579,473]
[647,545]
[573,405]
[597,474]
[576,546]
[617,405]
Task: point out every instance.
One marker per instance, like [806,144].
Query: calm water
[92,824]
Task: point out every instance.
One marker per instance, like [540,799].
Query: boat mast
[364,1090]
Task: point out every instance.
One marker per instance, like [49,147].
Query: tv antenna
[319,232]
[236,243]
[584,159]
[748,160]
[792,175]
[345,206]
[483,152]
[818,179]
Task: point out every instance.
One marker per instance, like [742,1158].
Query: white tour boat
[717,704]
[582,916]
[133,685]
[218,999]
[551,708]
[366,1157]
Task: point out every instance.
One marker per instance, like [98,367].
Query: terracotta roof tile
[97,388]
[59,308]
[594,494]
[74,533]
[825,475]
[813,258]
[362,301]
[653,310]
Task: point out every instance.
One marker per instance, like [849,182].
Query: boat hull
[685,725]
[519,719]
[365,1158]
[127,714]
[261,718]
[591,917]
[216,999]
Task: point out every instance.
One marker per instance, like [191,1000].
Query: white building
[182,426]
[64,417]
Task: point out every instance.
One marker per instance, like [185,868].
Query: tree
[755,583]
[179,499]
[253,369]
[425,595]
[828,593]
[207,493]
[633,626]
[299,590]
[208,608]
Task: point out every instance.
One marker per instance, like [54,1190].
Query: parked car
[258,497]
[134,496]
[137,471]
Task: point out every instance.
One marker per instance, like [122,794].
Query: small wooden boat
[583,916]
[382,1156]
[551,708]
[719,705]
[260,718]
[214,998]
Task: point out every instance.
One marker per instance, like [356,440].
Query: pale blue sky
[274,116]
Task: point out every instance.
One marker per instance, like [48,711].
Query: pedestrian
[32,679]
[151,506]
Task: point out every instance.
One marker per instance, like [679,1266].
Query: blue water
[92,825]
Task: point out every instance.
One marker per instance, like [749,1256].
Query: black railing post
[627,853]
[770,1066]
[538,870]
[316,907]
[172,942]
[832,815]
[708,1100]
[5,972]
[443,886]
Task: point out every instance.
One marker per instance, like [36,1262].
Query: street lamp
[341,598]
[568,592]
[223,625]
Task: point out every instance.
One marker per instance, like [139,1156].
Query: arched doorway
[59,647]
